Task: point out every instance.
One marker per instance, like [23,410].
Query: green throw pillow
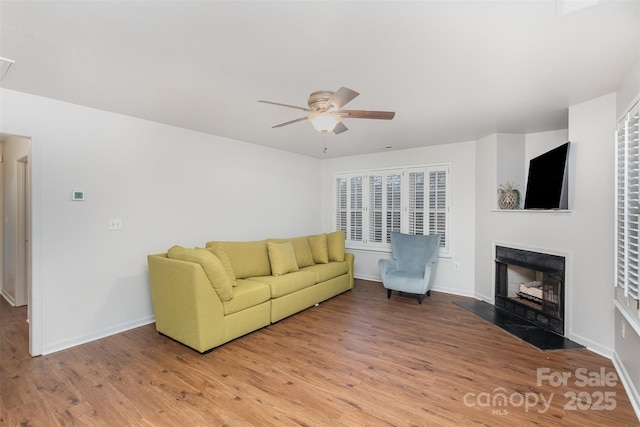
[301,247]
[335,242]
[211,265]
[217,248]
[319,248]
[282,258]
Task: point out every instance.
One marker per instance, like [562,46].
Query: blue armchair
[412,267]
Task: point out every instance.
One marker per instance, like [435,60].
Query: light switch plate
[115,224]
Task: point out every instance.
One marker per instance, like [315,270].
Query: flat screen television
[547,183]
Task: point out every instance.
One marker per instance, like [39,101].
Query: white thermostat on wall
[77,195]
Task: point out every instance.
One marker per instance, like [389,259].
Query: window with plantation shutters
[394,204]
[355,208]
[416,202]
[427,211]
[627,203]
[438,204]
[384,205]
[341,204]
[348,206]
[370,205]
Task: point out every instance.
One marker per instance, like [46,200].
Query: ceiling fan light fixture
[324,122]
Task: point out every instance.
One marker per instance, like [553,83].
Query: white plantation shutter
[341,204]
[438,204]
[621,210]
[427,204]
[394,204]
[369,205]
[416,202]
[355,209]
[376,187]
[348,206]
[385,205]
[627,202]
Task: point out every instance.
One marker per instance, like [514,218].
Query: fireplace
[531,285]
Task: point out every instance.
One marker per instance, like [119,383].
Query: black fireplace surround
[546,308]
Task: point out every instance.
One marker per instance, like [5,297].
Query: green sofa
[205,297]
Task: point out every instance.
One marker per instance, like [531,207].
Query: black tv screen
[547,182]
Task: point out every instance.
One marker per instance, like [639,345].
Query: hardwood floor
[357,359]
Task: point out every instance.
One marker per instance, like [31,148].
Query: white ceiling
[451,70]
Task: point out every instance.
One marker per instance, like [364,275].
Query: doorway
[23,251]
[15,201]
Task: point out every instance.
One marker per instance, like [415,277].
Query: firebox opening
[531,285]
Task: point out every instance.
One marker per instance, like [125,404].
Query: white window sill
[634,322]
[444,255]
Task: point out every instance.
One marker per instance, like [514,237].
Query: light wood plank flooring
[358,359]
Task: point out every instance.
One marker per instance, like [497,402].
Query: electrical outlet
[623,330]
[456,266]
[115,224]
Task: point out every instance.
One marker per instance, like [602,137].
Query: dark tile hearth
[521,328]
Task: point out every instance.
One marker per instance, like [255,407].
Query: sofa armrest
[186,306]
[350,258]
[386,265]
[429,274]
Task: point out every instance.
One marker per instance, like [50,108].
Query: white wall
[13,149]
[628,91]
[591,126]
[584,235]
[167,185]
[486,184]
[461,156]
[511,157]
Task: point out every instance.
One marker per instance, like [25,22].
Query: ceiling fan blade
[286,105]
[341,98]
[290,122]
[362,114]
[340,127]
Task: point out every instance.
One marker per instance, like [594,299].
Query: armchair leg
[429,293]
[388,293]
[419,299]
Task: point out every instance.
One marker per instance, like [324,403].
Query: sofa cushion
[248,259]
[218,250]
[282,258]
[211,265]
[289,283]
[247,294]
[335,244]
[304,257]
[324,272]
[319,248]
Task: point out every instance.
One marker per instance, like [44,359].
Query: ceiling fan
[326,113]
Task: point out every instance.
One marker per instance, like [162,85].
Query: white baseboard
[627,382]
[63,345]
[371,278]
[8,298]
[591,345]
[483,298]
[458,292]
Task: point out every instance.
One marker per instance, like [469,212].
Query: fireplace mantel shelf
[535,211]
